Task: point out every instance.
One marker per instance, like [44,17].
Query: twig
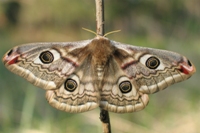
[104,114]
[100,17]
[105,119]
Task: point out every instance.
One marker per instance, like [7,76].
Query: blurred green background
[167,24]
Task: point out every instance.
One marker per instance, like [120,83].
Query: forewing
[152,69]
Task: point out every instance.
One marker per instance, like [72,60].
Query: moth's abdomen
[99,71]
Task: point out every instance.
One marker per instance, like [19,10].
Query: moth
[80,76]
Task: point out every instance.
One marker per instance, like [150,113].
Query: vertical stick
[105,119]
[100,17]
[104,115]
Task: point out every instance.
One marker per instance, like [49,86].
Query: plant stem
[104,114]
[100,17]
[105,119]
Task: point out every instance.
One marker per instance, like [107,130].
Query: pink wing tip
[11,57]
[187,67]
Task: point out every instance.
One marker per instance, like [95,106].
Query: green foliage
[166,24]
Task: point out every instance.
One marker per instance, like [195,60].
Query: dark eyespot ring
[10,52]
[152,62]
[46,57]
[189,63]
[125,86]
[70,85]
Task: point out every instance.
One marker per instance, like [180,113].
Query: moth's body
[99,51]
[80,76]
